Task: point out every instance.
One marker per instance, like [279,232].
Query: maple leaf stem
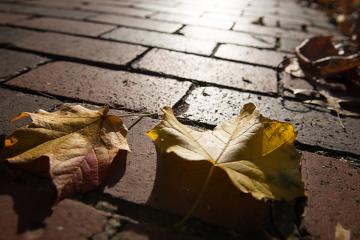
[198,199]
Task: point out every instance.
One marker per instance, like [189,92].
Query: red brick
[271,31]
[250,55]
[122,3]
[12,103]
[251,21]
[149,232]
[197,21]
[83,48]
[12,35]
[117,10]
[293,23]
[224,36]
[17,62]
[11,17]
[66,26]
[333,196]
[140,166]
[210,70]
[221,17]
[315,127]
[256,12]
[28,214]
[169,185]
[57,4]
[44,11]
[137,22]
[291,83]
[289,45]
[133,91]
[169,9]
[162,40]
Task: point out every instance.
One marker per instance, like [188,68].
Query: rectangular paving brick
[145,231]
[289,45]
[289,23]
[291,83]
[224,36]
[271,31]
[140,166]
[130,90]
[197,21]
[333,196]
[162,40]
[17,62]
[83,48]
[44,11]
[250,55]
[117,10]
[66,26]
[315,127]
[257,20]
[219,16]
[137,22]
[13,35]
[11,17]
[169,9]
[56,4]
[209,70]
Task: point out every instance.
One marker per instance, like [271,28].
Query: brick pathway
[205,59]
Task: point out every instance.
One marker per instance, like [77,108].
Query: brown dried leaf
[319,56]
[75,143]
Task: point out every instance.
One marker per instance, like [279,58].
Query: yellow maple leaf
[256,153]
[78,144]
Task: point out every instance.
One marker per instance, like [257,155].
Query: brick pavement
[205,59]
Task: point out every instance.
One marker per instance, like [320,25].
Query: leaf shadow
[32,198]
[116,170]
[178,182]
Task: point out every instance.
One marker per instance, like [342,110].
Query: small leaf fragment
[256,153]
[78,143]
[341,233]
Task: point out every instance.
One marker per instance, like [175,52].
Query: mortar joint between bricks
[181,106]
[178,31]
[215,49]
[138,58]
[351,157]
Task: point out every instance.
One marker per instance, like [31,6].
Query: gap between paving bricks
[24,70]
